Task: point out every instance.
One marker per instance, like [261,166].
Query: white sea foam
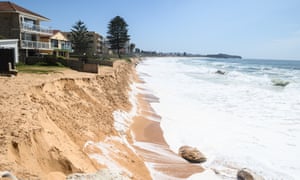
[108,153]
[122,119]
[237,120]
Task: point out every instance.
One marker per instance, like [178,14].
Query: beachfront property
[108,50]
[33,39]
[60,44]
[22,24]
[95,43]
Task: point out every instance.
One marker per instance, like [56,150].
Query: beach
[57,124]
[151,144]
[47,120]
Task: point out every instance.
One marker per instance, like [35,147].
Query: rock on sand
[191,154]
[247,174]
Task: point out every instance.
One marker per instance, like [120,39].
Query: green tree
[117,34]
[79,38]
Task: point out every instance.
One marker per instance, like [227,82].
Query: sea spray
[123,119]
[238,119]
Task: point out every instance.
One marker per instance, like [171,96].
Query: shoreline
[59,124]
[149,141]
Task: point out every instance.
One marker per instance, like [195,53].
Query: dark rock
[6,174]
[247,174]
[279,82]
[191,154]
[220,72]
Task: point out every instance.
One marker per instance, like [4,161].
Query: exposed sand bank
[46,121]
[62,123]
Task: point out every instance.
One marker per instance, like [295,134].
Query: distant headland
[220,55]
[160,54]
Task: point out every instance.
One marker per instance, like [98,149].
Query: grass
[39,69]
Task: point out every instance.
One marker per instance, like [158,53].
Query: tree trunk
[119,55]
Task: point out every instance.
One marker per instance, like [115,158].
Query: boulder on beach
[247,174]
[191,154]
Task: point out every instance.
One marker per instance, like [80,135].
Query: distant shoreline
[220,55]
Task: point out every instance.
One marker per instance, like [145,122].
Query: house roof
[7,6]
[56,31]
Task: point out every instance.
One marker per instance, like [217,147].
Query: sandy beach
[47,119]
[57,124]
[151,145]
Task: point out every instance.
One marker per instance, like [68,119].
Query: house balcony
[25,44]
[66,48]
[35,29]
[62,47]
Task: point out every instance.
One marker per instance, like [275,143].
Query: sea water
[239,119]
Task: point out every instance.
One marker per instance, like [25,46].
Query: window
[54,43]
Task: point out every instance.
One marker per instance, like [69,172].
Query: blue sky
[250,28]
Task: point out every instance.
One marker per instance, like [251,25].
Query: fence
[84,65]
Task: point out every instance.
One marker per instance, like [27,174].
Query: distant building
[95,43]
[109,50]
[24,25]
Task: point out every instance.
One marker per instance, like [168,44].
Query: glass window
[54,43]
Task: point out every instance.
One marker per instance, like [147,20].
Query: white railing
[35,45]
[36,28]
[66,46]
[63,46]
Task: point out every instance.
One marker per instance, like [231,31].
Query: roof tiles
[6,6]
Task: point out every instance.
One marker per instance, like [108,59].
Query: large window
[54,43]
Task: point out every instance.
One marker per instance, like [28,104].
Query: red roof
[6,6]
[56,31]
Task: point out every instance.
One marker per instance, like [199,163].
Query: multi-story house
[125,50]
[60,45]
[95,43]
[24,25]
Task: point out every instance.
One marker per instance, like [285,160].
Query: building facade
[95,43]
[24,25]
[60,46]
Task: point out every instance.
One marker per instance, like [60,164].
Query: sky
[268,29]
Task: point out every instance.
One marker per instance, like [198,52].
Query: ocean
[248,117]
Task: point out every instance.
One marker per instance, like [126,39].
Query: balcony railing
[35,45]
[36,28]
[64,46]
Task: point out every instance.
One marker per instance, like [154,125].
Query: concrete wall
[73,64]
[93,68]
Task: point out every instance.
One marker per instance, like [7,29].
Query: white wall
[11,43]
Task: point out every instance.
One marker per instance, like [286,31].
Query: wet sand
[151,145]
